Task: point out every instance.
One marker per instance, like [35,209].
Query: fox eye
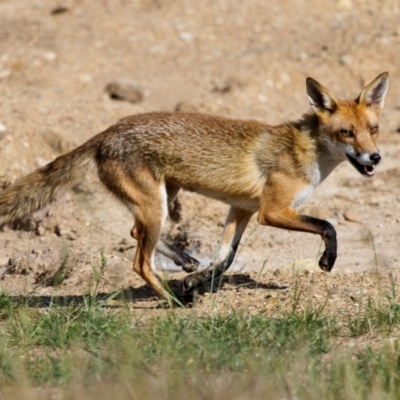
[347,134]
[373,130]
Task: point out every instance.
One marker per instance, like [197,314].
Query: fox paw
[199,279]
[327,261]
[191,266]
[191,282]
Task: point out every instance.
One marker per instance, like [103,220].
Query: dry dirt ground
[242,59]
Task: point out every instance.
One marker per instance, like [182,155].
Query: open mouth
[366,170]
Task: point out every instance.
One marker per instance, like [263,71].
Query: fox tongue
[369,170]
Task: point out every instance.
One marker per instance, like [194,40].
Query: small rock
[346,60]
[41,231]
[41,161]
[186,36]
[86,78]
[5,73]
[125,89]
[303,56]
[2,128]
[357,296]
[352,216]
[50,56]
[59,10]
[223,85]
[376,200]
[4,260]
[262,98]
[345,4]
[66,234]
[269,83]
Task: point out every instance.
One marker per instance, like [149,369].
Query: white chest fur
[314,174]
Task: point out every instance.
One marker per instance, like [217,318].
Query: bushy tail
[34,191]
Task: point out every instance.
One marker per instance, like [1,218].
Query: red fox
[144,160]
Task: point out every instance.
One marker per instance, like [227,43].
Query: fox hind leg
[188,264]
[146,233]
[181,259]
[146,198]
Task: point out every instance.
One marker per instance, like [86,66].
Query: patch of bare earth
[245,59]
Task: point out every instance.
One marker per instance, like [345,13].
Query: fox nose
[375,158]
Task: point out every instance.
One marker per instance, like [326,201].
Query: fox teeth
[369,169]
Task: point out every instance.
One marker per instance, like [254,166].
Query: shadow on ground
[144,293]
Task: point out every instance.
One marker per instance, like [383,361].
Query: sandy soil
[246,59]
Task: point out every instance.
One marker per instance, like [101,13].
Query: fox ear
[374,94]
[320,98]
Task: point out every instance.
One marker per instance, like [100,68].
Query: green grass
[86,351]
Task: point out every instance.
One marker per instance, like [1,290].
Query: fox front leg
[291,220]
[235,225]
[328,235]
[276,210]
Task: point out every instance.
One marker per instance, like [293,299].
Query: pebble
[41,230]
[303,56]
[2,128]
[50,56]
[66,234]
[86,78]
[125,89]
[223,85]
[60,9]
[376,200]
[352,216]
[357,296]
[186,37]
[41,161]
[345,4]
[4,260]
[5,73]
[346,60]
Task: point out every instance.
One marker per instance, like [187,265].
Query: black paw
[191,282]
[327,261]
[208,279]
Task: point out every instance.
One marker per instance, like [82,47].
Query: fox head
[350,128]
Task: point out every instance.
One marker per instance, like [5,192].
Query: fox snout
[365,163]
[368,159]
